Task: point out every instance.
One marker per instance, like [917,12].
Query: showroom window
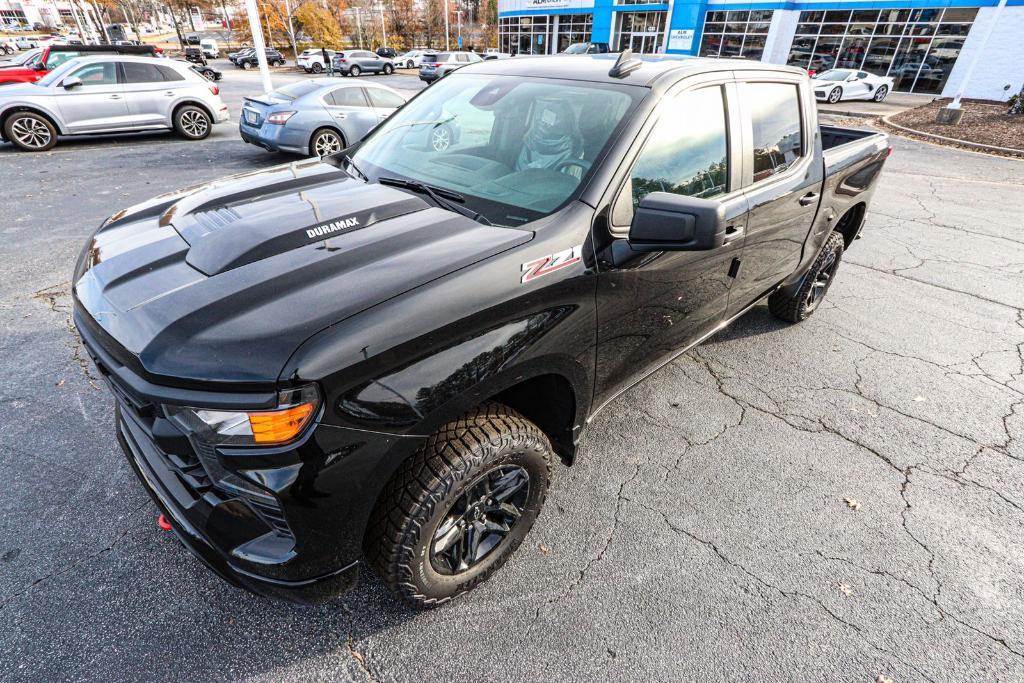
[572,28]
[735,34]
[533,35]
[641,32]
[916,47]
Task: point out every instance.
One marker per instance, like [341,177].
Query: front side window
[687,153]
[384,99]
[102,73]
[516,148]
[776,127]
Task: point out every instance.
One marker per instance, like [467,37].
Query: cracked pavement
[833,500]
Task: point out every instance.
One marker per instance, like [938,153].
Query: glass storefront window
[917,48]
[737,34]
[539,35]
[641,32]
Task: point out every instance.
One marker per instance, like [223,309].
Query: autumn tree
[319,24]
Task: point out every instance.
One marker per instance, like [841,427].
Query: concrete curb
[965,143]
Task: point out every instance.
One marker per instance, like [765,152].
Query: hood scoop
[250,228]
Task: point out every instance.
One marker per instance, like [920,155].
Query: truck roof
[596,67]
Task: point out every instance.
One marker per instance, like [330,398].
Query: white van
[209,48]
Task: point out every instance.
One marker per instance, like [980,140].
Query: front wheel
[799,306]
[388,69]
[192,123]
[881,93]
[835,95]
[456,511]
[409,64]
[31,132]
[244,65]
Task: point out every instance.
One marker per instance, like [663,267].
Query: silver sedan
[109,94]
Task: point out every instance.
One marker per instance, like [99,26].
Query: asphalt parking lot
[837,500]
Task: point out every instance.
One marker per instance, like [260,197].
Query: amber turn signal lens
[279,426]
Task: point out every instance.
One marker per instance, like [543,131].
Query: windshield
[832,75]
[517,148]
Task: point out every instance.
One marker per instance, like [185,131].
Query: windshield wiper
[351,164]
[442,197]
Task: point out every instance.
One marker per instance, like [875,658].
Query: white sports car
[835,85]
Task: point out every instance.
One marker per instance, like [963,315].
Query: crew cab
[53,56]
[384,355]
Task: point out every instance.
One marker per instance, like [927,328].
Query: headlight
[296,409]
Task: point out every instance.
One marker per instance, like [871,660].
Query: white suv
[312,60]
[109,94]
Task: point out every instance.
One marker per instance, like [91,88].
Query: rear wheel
[244,65]
[325,142]
[388,69]
[317,67]
[355,70]
[409,65]
[800,305]
[457,510]
[192,123]
[881,93]
[31,132]
[835,95]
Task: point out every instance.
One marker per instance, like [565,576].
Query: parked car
[409,60]
[312,60]
[436,65]
[356,62]
[422,337]
[586,49]
[233,57]
[53,56]
[8,46]
[249,61]
[316,117]
[386,52]
[192,39]
[109,93]
[26,42]
[494,53]
[207,72]
[836,85]
[195,55]
[23,59]
[210,48]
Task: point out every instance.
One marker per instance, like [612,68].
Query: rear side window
[169,74]
[687,153]
[384,98]
[346,97]
[775,122]
[135,72]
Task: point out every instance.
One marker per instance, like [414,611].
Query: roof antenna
[625,64]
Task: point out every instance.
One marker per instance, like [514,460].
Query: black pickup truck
[385,353]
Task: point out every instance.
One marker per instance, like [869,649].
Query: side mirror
[671,222]
[71,82]
[851,79]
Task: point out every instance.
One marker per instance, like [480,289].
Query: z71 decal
[550,263]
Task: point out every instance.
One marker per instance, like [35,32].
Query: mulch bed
[983,122]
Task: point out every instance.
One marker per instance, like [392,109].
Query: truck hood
[222,282]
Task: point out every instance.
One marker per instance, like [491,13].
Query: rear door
[782,182]
[652,305]
[350,112]
[98,103]
[149,90]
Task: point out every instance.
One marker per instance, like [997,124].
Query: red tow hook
[162,522]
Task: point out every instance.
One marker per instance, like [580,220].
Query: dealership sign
[546,4]
[680,39]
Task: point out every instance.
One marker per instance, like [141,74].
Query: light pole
[447,30]
[955,104]
[458,16]
[258,44]
[383,28]
[359,27]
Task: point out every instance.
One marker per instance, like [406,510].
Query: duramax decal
[327,229]
[550,263]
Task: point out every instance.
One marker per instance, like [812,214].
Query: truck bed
[843,147]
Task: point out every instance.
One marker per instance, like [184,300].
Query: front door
[652,305]
[643,43]
[783,187]
[97,104]
[351,112]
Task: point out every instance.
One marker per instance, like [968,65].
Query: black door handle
[809,199]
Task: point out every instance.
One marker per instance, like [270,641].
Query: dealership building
[925,46]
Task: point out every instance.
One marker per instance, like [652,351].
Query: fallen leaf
[918,399]
[845,589]
[852,503]
[882,678]
[543,548]
[359,657]
[60,383]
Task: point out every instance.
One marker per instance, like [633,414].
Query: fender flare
[42,111]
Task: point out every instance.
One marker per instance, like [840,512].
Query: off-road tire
[798,307]
[425,488]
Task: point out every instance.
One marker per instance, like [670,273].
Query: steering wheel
[582,165]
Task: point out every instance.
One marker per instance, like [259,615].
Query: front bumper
[301,540]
